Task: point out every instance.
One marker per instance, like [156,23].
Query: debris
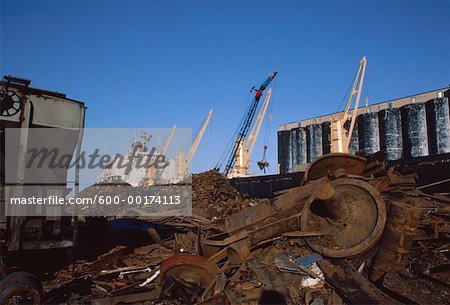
[308,259]
[213,196]
[122,273]
[397,239]
[351,285]
[316,277]
[126,299]
[236,250]
[150,279]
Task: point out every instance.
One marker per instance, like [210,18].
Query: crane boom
[340,138]
[197,140]
[152,173]
[241,166]
[248,119]
[169,139]
[183,162]
[254,133]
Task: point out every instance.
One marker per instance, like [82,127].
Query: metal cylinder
[391,133]
[314,138]
[298,144]
[369,133]
[299,147]
[326,138]
[283,151]
[293,148]
[415,139]
[442,125]
[354,141]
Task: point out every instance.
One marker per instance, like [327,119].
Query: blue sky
[149,64]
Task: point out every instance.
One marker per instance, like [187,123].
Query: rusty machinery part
[191,269]
[329,163]
[239,252]
[395,244]
[354,219]
[20,288]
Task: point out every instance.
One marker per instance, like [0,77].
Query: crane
[183,162]
[247,122]
[242,164]
[340,137]
[153,174]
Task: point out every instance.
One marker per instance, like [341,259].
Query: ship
[128,168]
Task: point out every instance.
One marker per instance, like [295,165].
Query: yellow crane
[153,174]
[184,162]
[340,137]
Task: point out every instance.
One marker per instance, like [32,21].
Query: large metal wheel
[20,288]
[329,163]
[353,220]
[190,268]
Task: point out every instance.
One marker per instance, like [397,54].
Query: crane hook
[263,164]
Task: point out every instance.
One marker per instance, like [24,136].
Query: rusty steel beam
[351,285]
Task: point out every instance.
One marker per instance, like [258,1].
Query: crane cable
[263,163]
[347,94]
[267,126]
[366,89]
[268,120]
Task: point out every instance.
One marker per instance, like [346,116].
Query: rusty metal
[395,244]
[339,215]
[354,219]
[329,163]
[187,242]
[20,288]
[224,239]
[351,285]
[188,268]
[239,252]
[126,299]
[220,298]
[274,228]
[292,198]
[304,233]
[431,230]
[249,216]
[251,227]
[105,259]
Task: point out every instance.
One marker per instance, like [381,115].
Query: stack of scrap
[355,232]
[113,275]
[213,196]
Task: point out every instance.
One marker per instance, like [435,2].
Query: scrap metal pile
[213,197]
[355,232]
